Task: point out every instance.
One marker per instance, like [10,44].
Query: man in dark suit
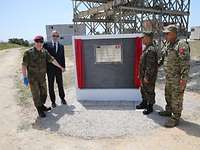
[57,51]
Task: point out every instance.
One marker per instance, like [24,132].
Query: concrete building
[195,33]
[66,32]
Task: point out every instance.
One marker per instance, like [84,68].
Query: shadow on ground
[155,117]
[190,128]
[51,121]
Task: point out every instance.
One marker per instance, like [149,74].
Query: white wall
[66,32]
[195,33]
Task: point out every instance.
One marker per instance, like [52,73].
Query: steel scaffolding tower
[131,16]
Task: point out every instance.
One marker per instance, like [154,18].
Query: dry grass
[23,92]
[8,46]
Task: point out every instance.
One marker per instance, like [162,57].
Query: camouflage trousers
[39,92]
[148,93]
[174,97]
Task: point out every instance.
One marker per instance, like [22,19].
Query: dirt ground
[17,119]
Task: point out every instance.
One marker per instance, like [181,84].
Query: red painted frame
[80,63]
[138,53]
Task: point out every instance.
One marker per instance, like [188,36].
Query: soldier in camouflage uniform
[176,60]
[34,73]
[148,73]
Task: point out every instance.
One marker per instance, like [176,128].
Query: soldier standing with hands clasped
[148,73]
[34,70]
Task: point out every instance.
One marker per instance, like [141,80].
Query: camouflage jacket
[149,63]
[176,60]
[36,63]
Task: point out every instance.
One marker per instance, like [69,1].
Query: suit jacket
[59,55]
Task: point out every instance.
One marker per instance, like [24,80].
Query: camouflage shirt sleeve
[151,65]
[184,57]
[49,58]
[25,60]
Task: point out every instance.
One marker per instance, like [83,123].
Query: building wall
[195,33]
[66,32]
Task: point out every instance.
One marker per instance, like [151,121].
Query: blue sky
[26,18]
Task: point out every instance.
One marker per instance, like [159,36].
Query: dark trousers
[148,93]
[55,73]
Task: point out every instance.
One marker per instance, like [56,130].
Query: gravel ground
[112,120]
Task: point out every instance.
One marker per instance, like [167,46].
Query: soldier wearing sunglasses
[53,72]
[34,70]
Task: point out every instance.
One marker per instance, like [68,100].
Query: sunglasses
[55,35]
[39,41]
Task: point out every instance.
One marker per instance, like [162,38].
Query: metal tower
[131,16]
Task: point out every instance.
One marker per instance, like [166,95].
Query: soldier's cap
[39,38]
[148,33]
[170,28]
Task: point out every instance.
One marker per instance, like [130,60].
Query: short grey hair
[54,31]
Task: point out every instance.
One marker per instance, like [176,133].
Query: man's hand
[182,85]
[63,69]
[146,81]
[26,81]
[58,65]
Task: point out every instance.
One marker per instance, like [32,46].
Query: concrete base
[108,95]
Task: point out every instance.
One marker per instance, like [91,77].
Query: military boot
[41,112]
[171,122]
[44,108]
[165,113]
[142,105]
[148,110]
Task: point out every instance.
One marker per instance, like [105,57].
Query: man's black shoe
[41,112]
[141,106]
[148,110]
[53,105]
[63,101]
[44,108]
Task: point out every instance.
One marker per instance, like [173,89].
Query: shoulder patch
[181,50]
